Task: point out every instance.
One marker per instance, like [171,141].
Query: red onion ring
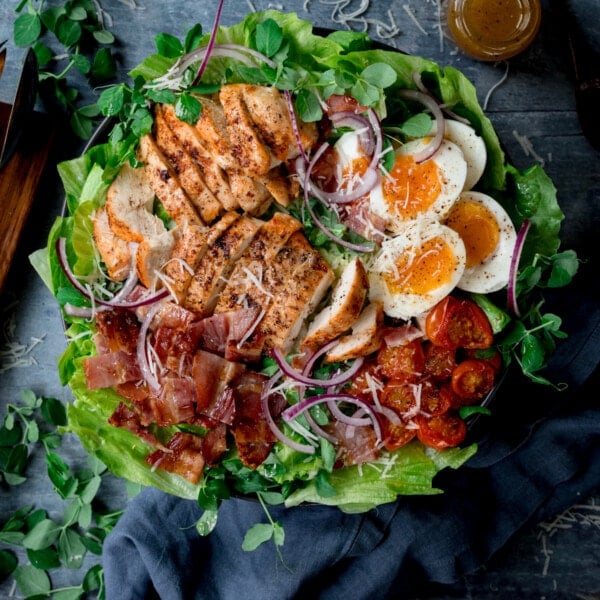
[292,412]
[346,118]
[299,377]
[116,302]
[295,127]
[211,43]
[514,267]
[264,399]
[430,103]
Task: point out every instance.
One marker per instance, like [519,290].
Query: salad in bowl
[295,265]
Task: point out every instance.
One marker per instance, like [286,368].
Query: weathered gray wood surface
[535,101]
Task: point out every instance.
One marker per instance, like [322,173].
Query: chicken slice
[215,266]
[270,114]
[164,182]
[366,336]
[191,246]
[298,281]
[247,144]
[211,128]
[344,308]
[115,252]
[253,197]
[215,177]
[245,287]
[129,204]
[187,170]
[152,255]
[281,186]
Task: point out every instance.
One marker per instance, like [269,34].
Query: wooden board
[19,180]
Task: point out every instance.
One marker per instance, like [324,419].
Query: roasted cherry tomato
[489,355]
[436,399]
[401,397]
[441,431]
[396,435]
[472,380]
[458,323]
[439,361]
[365,382]
[403,362]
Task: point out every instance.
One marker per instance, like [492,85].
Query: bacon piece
[223,333]
[108,370]
[183,456]
[358,217]
[128,419]
[119,329]
[214,443]
[253,436]
[357,444]
[175,402]
[211,374]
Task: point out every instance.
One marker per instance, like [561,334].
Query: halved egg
[489,238]
[472,146]
[414,270]
[419,190]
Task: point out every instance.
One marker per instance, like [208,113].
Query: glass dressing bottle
[493,29]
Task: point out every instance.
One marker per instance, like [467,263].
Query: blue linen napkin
[538,454]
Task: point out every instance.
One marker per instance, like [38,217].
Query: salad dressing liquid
[494,29]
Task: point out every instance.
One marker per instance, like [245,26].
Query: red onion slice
[514,267]
[295,126]
[116,302]
[264,398]
[211,43]
[299,377]
[430,103]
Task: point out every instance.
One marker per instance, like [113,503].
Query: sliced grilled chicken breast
[115,252]
[244,287]
[299,280]
[247,144]
[343,310]
[152,255]
[191,246]
[215,266]
[187,170]
[129,203]
[164,182]
[365,338]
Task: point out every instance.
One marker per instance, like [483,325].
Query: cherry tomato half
[401,397]
[396,435]
[439,361]
[436,399]
[472,380]
[403,362]
[441,431]
[458,323]
[489,355]
[365,382]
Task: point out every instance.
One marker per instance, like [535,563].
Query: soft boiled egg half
[472,146]
[414,270]
[489,238]
[419,190]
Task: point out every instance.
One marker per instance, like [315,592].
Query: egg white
[453,171]
[493,273]
[405,305]
[472,146]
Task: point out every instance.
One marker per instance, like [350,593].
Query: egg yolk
[355,169]
[422,270]
[411,187]
[478,229]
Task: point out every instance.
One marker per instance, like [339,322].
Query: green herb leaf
[193,38]
[255,536]
[207,522]
[32,581]
[168,45]
[188,108]
[43,535]
[27,28]
[269,37]
[8,563]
